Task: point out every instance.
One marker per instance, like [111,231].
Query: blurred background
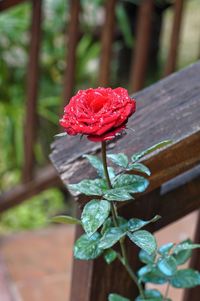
[50,49]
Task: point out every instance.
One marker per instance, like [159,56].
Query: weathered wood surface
[170,109]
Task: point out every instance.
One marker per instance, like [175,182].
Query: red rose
[98,113]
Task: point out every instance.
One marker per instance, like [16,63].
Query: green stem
[167,291]
[123,258]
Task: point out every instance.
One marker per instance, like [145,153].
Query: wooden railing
[31,185]
[170,109]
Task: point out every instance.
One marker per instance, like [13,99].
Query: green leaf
[167,265]
[186,278]
[96,163]
[164,249]
[139,167]
[183,251]
[151,295]
[116,297]
[154,276]
[118,195]
[146,257]
[86,248]
[111,237]
[65,219]
[144,239]
[119,159]
[185,246]
[110,255]
[136,224]
[139,155]
[130,183]
[94,214]
[90,187]
[122,222]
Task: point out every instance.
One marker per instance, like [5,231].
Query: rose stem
[167,291]
[114,216]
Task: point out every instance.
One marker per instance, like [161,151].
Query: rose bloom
[98,113]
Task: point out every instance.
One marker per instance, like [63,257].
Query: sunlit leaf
[116,297]
[94,214]
[86,247]
[119,159]
[144,239]
[130,183]
[111,237]
[136,223]
[118,195]
[167,265]
[110,255]
[139,167]
[139,155]
[186,278]
[90,187]
[64,219]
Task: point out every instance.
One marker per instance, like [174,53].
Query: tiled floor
[36,266]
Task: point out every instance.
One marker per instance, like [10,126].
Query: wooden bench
[169,109]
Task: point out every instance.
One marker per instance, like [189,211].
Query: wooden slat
[141,50]
[72,40]
[194,293]
[106,42]
[168,110]
[5,4]
[31,126]
[175,37]
[44,179]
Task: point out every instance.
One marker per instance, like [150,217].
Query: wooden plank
[106,42]
[5,4]
[72,40]
[194,293]
[30,128]
[141,50]
[167,110]
[175,37]
[44,179]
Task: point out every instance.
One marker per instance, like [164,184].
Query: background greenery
[14,27]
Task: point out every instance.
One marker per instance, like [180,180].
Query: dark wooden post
[106,42]
[141,50]
[30,127]
[175,37]
[72,40]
